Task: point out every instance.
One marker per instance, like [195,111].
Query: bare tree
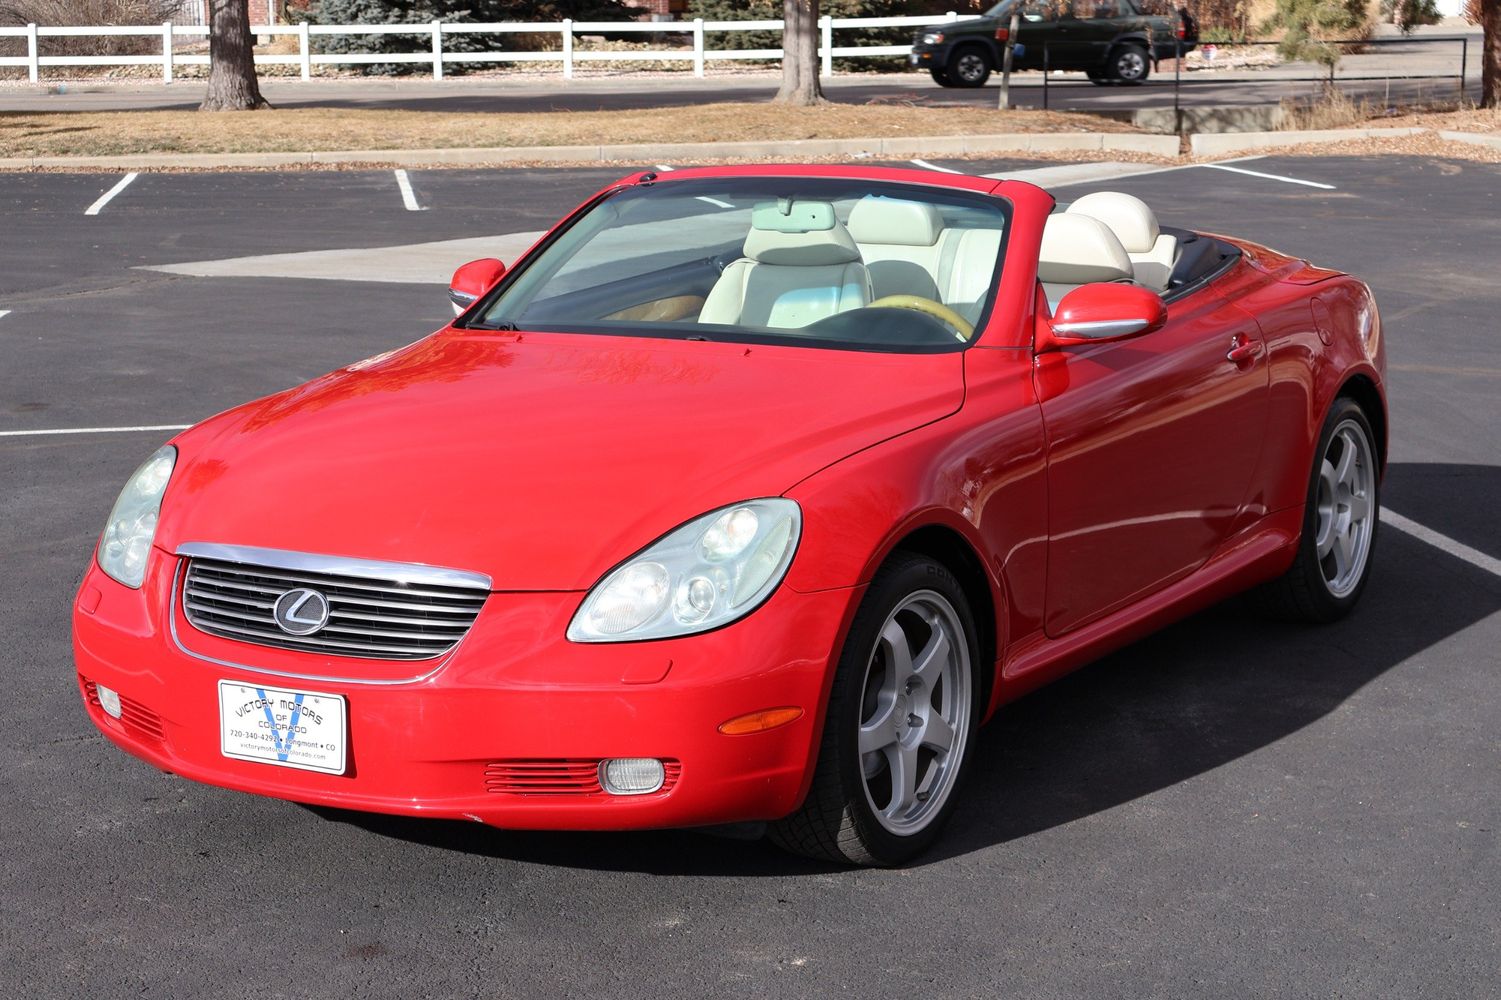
[232,83]
[1487,14]
[800,53]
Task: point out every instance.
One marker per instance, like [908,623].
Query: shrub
[423,11]
[1311,26]
[771,10]
[90,12]
[1408,14]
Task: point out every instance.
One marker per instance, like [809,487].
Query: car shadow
[1189,699]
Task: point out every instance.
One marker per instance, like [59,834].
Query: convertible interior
[869,271]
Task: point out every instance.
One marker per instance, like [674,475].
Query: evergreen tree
[424,11]
[1312,25]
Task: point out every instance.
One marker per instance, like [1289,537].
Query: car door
[1044,24]
[1100,21]
[1152,444]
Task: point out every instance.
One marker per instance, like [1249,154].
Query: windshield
[819,262]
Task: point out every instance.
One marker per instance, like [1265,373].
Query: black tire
[940,76]
[968,66]
[1098,77]
[1304,593]
[839,821]
[1130,64]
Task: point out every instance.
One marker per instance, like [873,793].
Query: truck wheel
[1130,64]
[940,76]
[1098,77]
[969,66]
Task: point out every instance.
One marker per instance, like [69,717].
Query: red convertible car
[747,494]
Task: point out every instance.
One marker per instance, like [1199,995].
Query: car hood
[541,460]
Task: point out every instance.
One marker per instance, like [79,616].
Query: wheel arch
[980,42]
[947,546]
[1362,389]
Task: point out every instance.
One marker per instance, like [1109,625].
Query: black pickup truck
[1112,41]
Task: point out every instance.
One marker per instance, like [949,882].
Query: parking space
[1229,808]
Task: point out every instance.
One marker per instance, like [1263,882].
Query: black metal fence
[1332,78]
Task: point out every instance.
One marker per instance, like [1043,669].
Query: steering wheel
[963,328]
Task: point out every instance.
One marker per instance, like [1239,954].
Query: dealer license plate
[303,729]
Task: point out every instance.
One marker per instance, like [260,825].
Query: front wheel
[968,67]
[1130,64]
[899,725]
[940,76]
[1339,524]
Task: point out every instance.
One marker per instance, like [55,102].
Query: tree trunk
[232,83]
[1490,57]
[800,54]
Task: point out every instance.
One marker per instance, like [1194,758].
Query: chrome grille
[406,616]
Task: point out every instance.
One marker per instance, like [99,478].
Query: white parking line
[50,432]
[408,196]
[1442,542]
[666,168]
[1270,177]
[715,201]
[104,199]
[933,166]
[4,313]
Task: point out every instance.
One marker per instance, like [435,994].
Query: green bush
[1312,26]
[1408,14]
[423,11]
[771,10]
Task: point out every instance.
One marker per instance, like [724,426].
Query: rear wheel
[1339,525]
[940,76]
[1130,64]
[1098,77]
[900,722]
[969,66]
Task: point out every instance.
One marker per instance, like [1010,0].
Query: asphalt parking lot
[1230,808]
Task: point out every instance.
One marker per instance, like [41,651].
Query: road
[1425,70]
[1229,808]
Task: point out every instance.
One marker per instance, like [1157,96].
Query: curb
[1211,144]
[1492,140]
[906,146]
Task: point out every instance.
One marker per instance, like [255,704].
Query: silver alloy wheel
[915,709]
[1346,515]
[1130,65]
[970,66]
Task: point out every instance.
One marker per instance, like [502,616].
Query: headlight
[711,571]
[933,38]
[132,523]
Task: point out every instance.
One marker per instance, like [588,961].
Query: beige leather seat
[803,270]
[900,243]
[909,252]
[1153,253]
[1077,250]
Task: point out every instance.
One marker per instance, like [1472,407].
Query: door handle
[1243,349]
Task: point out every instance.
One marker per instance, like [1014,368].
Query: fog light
[631,775]
[109,700]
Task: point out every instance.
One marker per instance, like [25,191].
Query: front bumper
[430,738]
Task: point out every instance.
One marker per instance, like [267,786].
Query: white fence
[436,55]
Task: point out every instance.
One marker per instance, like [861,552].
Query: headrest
[1078,249]
[805,234]
[1127,216]
[894,221]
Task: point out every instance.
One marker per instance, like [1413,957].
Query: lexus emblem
[300,611]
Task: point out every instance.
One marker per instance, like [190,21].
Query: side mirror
[473,280]
[1102,312]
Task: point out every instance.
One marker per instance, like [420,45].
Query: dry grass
[1336,110]
[318,129]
